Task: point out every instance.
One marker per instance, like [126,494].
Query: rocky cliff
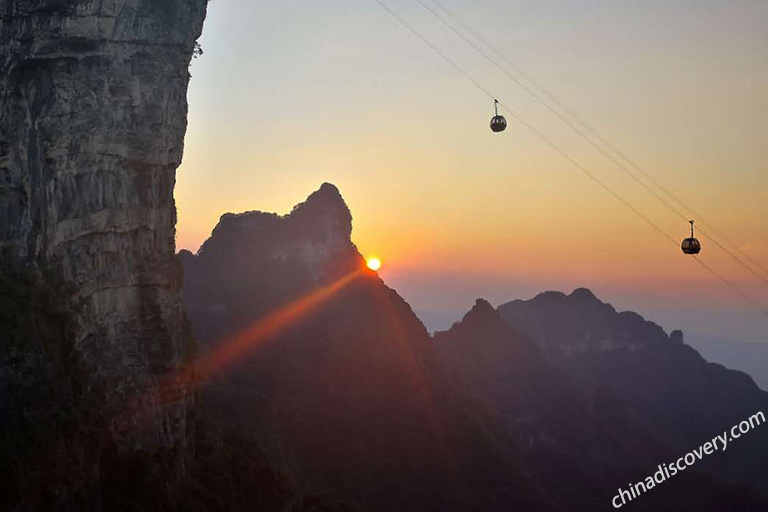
[92,122]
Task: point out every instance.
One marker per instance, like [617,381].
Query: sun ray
[173,387]
[264,329]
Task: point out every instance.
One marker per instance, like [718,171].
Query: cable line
[529,126]
[733,287]
[559,150]
[576,129]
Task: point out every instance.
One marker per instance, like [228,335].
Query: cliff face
[92,121]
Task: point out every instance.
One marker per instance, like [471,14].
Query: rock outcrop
[92,122]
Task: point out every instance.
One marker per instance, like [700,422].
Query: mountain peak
[482,306]
[329,188]
[324,212]
[327,192]
[583,294]
[316,237]
[583,321]
[480,313]
[549,296]
[327,196]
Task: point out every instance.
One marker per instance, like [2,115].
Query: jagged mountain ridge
[671,391]
[338,396]
[584,323]
[348,395]
[312,244]
[581,442]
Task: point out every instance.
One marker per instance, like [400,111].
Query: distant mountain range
[549,404]
[667,387]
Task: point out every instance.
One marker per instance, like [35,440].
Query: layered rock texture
[92,122]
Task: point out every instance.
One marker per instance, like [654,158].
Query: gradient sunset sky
[292,93]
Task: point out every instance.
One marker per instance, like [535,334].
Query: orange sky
[293,93]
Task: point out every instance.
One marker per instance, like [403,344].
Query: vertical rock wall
[92,121]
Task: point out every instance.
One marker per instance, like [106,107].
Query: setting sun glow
[373,263]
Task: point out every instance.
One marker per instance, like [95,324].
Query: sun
[373,263]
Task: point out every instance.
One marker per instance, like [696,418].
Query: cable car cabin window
[498,124]
[691,246]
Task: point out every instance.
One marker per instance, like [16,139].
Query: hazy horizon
[457,213]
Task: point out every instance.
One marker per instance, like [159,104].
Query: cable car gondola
[691,245]
[498,123]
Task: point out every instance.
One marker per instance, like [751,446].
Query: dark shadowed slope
[739,355]
[670,389]
[336,373]
[580,442]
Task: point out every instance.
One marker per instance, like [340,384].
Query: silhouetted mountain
[668,388]
[536,403]
[580,322]
[344,391]
[580,443]
[748,357]
[338,381]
